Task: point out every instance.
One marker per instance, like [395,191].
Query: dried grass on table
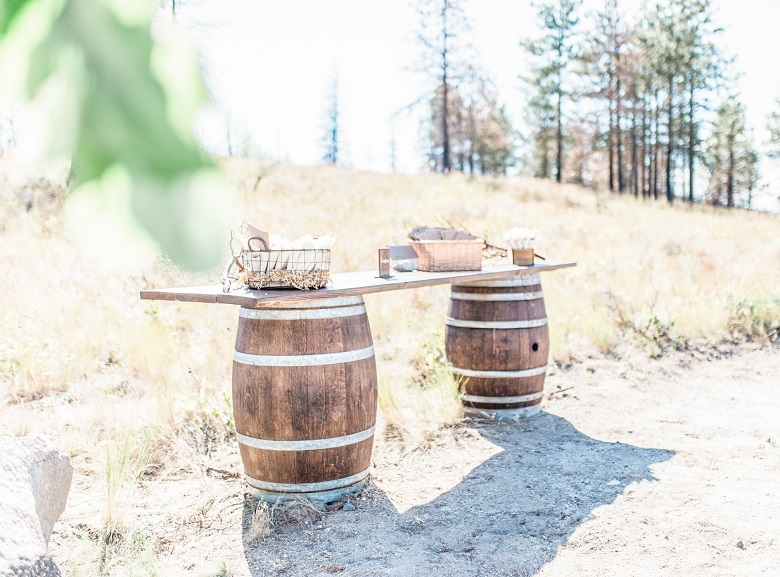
[275,278]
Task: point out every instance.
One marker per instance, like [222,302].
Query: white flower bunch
[521,237]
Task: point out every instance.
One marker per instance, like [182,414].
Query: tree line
[644,106]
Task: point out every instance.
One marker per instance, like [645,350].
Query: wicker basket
[448,255]
[302,269]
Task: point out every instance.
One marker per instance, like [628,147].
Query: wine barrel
[497,342]
[304,398]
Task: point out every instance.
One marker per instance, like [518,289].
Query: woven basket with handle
[281,268]
[448,255]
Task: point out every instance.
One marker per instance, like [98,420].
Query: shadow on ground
[508,517]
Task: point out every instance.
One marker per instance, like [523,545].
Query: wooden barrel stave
[306,466]
[498,348]
[302,336]
[497,341]
[304,394]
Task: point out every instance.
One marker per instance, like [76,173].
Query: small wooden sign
[384,262]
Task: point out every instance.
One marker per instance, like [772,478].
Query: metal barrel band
[306,445]
[503,400]
[302,314]
[314,304]
[504,414]
[306,487]
[303,360]
[520,280]
[477,374]
[468,324]
[321,496]
[491,297]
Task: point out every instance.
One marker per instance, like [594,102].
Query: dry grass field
[138,393]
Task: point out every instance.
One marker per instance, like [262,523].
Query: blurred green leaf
[175,213]
[126,110]
[9,9]
[98,65]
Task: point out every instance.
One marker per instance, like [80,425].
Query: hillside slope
[139,392]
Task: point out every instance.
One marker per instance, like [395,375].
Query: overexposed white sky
[270,66]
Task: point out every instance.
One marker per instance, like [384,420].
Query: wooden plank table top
[343,284]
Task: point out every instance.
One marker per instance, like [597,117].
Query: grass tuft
[125,463]
[754,320]
[206,419]
[431,400]
[650,331]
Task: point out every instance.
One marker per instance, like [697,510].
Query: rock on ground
[35,480]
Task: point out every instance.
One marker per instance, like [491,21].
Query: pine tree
[553,54]
[494,138]
[443,24]
[602,61]
[539,115]
[648,86]
[445,132]
[731,157]
[480,132]
[773,125]
[703,70]
[615,67]
[668,63]
[332,135]
[635,102]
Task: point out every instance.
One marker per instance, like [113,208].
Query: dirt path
[638,468]
[655,470]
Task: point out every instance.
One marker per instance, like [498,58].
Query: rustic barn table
[304,374]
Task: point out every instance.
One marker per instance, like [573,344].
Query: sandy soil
[637,467]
